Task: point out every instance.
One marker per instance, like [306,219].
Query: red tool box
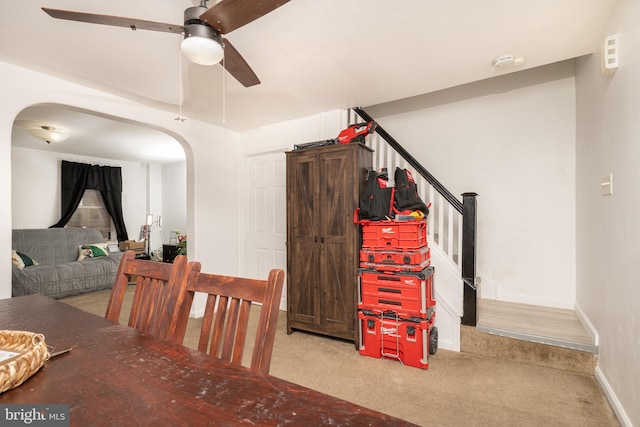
[410,234]
[393,260]
[406,293]
[388,336]
[390,256]
[395,267]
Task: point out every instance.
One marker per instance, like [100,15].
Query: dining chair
[226,317]
[158,286]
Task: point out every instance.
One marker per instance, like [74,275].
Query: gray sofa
[59,273]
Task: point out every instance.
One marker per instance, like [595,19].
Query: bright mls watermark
[34,415]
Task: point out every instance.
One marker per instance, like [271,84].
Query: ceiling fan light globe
[201,44]
[201,50]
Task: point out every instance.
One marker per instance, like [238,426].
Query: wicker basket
[33,352]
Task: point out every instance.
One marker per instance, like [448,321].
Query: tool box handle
[356,220]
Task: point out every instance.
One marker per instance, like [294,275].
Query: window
[91,213]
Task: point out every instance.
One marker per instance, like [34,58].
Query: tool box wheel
[433,340]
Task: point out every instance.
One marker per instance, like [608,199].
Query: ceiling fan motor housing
[194,26]
[192,15]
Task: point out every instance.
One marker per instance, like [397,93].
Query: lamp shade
[201,45]
[48,134]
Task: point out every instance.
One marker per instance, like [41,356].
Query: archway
[154,164]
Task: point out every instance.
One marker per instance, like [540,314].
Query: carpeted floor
[458,389]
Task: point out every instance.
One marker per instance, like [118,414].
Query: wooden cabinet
[324,187]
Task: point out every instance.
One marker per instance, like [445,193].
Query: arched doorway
[153,162]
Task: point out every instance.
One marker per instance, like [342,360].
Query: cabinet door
[337,267]
[303,236]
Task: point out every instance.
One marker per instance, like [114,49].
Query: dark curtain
[77,177]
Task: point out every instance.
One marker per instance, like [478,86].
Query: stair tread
[548,325]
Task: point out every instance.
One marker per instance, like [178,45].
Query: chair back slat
[241,330]
[148,301]
[158,287]
[220,306]
[229,326]
[261,358]
[225,323]
[207,324]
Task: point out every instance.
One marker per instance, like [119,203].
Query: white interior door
[266,216]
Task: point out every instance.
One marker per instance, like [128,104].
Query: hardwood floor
[545,325]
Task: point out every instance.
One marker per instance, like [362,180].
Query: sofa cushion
[21,260]
[93,250]
[52,246]
[62,280]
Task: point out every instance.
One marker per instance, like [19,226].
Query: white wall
[174,198]
[511,139]
[154,204]
[35,188]
[608,141]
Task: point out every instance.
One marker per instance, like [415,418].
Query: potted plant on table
[180,242]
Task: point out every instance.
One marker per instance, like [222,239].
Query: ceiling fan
[203,28]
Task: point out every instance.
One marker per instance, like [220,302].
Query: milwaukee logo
[388,230]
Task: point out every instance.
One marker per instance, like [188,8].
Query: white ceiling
[95,136]
[311,56]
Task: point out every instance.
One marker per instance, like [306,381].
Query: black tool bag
[377,202]
[406,198]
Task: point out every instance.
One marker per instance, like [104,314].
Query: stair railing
[452,223]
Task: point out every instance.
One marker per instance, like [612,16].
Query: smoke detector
[508,60]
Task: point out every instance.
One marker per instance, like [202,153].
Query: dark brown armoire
[324,187]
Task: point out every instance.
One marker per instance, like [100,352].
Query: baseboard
[612,398]
[588,326]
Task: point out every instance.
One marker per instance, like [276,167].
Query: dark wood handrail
[453,200]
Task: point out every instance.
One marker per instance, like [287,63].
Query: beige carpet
[458,389]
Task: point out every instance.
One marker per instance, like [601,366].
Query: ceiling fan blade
[116,21]
[237,66]
[228,15]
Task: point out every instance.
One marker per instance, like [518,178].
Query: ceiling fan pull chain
[180,117]
[224,91]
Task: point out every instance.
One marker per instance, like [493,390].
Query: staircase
[540,335]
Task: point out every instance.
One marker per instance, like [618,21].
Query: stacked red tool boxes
[396,305]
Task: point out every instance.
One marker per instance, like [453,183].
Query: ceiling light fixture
[202,44]
[48,134]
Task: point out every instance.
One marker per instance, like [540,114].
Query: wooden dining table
[117,375]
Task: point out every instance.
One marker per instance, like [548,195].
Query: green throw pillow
[94,250]
[21,260]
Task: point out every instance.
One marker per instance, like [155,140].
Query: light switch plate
[610,52]
[606,185]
